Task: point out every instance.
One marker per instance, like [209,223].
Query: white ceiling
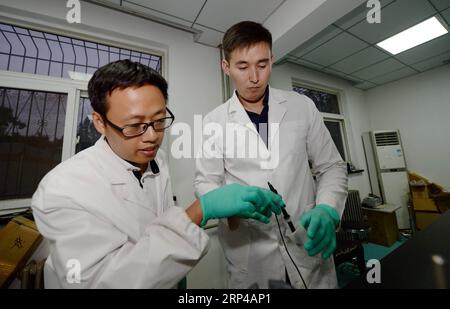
[347,47]
[211,17]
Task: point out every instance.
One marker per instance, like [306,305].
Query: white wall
[193,74]
[354,109]
[420,107]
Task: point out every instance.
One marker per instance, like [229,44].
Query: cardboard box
[442,201]
[18,240]
[424,219]
[419,191]
[384,228]
[424,204]
[416,177]
[435,189]
[418,185]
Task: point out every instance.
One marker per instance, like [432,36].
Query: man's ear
[226,67]
[98,123]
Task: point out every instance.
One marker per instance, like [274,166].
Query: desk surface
[383,208]
[410,265]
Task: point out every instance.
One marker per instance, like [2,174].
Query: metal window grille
[37,52]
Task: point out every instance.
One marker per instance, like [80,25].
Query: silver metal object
[438,264]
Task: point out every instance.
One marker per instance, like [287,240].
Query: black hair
[121,74]
[243,35]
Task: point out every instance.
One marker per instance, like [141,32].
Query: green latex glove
[243,201]
[320,223]
[182,285]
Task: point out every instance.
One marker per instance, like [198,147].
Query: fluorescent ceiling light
[416,35]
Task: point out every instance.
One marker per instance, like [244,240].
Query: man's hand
[243,201]
[320,223]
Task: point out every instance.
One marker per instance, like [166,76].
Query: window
[44,115]
[31,135]
[336,132]
[328,105]
[42,53]
[87,135]
[325,102]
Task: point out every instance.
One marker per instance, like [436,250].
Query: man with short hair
[108,211]
[290,133]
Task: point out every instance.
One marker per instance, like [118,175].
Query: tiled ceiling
[347,48]
[211,17]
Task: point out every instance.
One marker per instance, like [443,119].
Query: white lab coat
[92,210]
[254,251]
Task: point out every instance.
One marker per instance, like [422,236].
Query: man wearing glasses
[107,212]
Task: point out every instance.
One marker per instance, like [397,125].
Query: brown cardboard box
[442,201]
[423,219]
[435,189]
[418,185]
[424,204]
[416,177]
[384,228]
[419,191]
[18,240]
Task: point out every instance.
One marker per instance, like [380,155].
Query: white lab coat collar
[277,111]
[118,172]
[275,104]
[275,99]
[238,114]
[113,164]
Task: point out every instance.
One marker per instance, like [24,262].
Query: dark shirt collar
[265,99]
[265,106]
[152,166]
[260,121]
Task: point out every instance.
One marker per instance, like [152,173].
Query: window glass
[31,138]
[325,102]
[87,135]
[336,134]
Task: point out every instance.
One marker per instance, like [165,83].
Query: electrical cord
[292,260]
[292,228]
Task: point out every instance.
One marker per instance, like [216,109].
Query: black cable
[292,228]
[286,216]
[292,260]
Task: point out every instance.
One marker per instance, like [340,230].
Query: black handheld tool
[286,216]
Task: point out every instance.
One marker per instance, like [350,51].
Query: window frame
[340,118]
[73,88]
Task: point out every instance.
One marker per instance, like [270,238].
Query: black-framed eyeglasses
[133,130]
